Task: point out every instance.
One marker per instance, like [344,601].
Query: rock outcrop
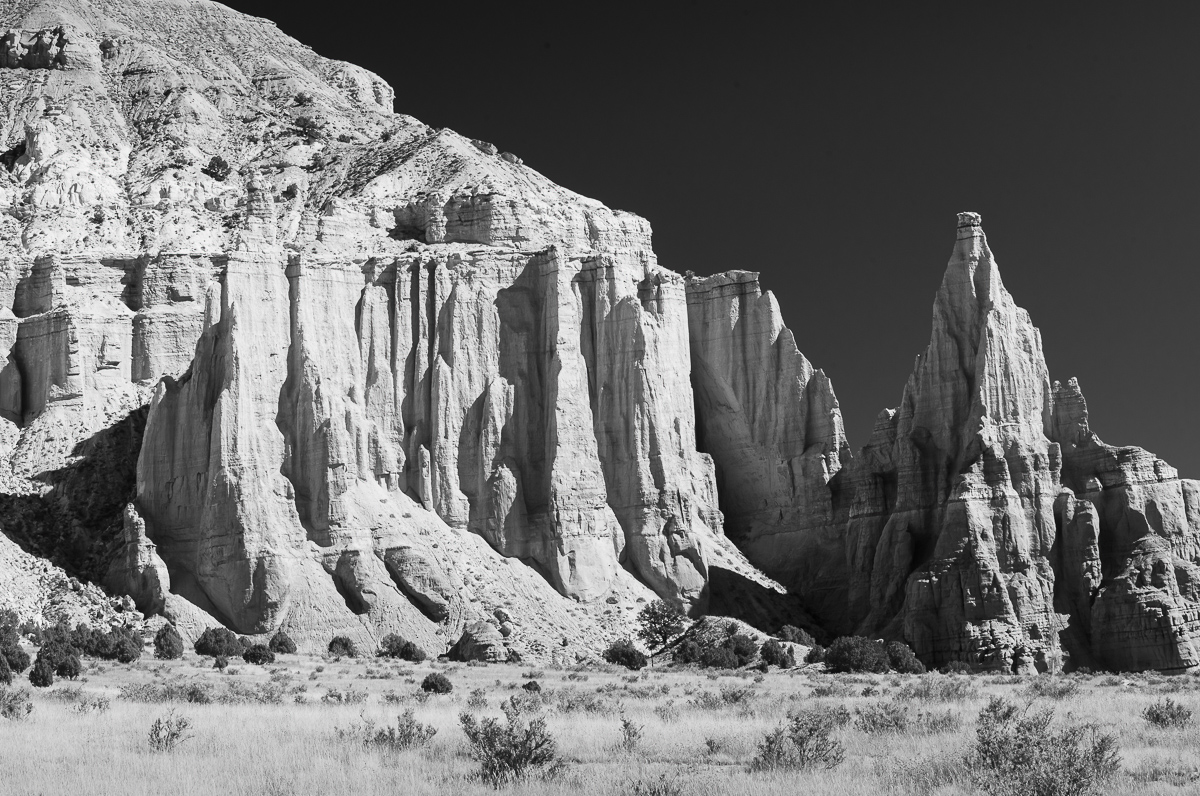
[988,524]
[274,356]
[396,379]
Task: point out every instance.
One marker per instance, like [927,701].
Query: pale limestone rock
[379,344]
[773,426]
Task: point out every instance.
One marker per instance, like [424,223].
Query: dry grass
[698,732]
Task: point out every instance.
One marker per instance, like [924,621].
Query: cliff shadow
[77,523]
[734,595]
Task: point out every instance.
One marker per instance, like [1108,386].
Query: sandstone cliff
[272,355]
[397,380]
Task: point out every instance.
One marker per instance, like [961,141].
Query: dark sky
[830,148]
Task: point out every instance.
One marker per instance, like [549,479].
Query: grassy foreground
[699,731]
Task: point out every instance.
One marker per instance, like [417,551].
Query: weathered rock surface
[274,356]
[396,379]
[987,523]
[773,427]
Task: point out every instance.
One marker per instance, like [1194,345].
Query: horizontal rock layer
[272,355]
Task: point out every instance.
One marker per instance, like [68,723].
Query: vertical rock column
[774,429]
[662,490]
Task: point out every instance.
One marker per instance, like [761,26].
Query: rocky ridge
[276,356]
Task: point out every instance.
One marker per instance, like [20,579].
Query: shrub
[955,667]
[218,169]
[533,687]
[218,642]
[660,621]
[436,683]
[856,654]
[516,749]
[6,675]
[395,646]
[169,731]
[742,646]
[797,636]
[304,98]
[1018,752]
[815,655]
[881,717]
[54,653]
[168,644]
[1051,688]
[934,688]
[1167,713]
[15,704]
[69,668]
[342,647]
[220,663]
[624,653]
[128,649]
[281,644]
[687,651]
[407,734]
[776,654]
[803,743]
[718,658]
[42,674]
[902,659]
[631,734]
[259,655]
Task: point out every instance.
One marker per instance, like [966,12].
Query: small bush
[533,687]
[797,635]
[631,734]
[935,688]
[342,647]
[42,674]
[881,717]
[687,651]
[70,668]
[436,683]
[902,659]
[259,655]
[220,663]
[1167,714]
[1051,688]
[395,646]
[218,169]
[624,653]
[776,654]
[15,704]
[304,98]
[815,655]
[6,675]
[1018,752]
[856,654]
[804,743]
[518,748]
[407,734]
[218,642]
[955,667]
[168,644]
[281,644]
[719,658]
[169,731]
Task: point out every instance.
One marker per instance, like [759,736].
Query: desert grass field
[294,727]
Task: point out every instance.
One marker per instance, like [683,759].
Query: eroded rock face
[395,378]
[987,523]
[774,429]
